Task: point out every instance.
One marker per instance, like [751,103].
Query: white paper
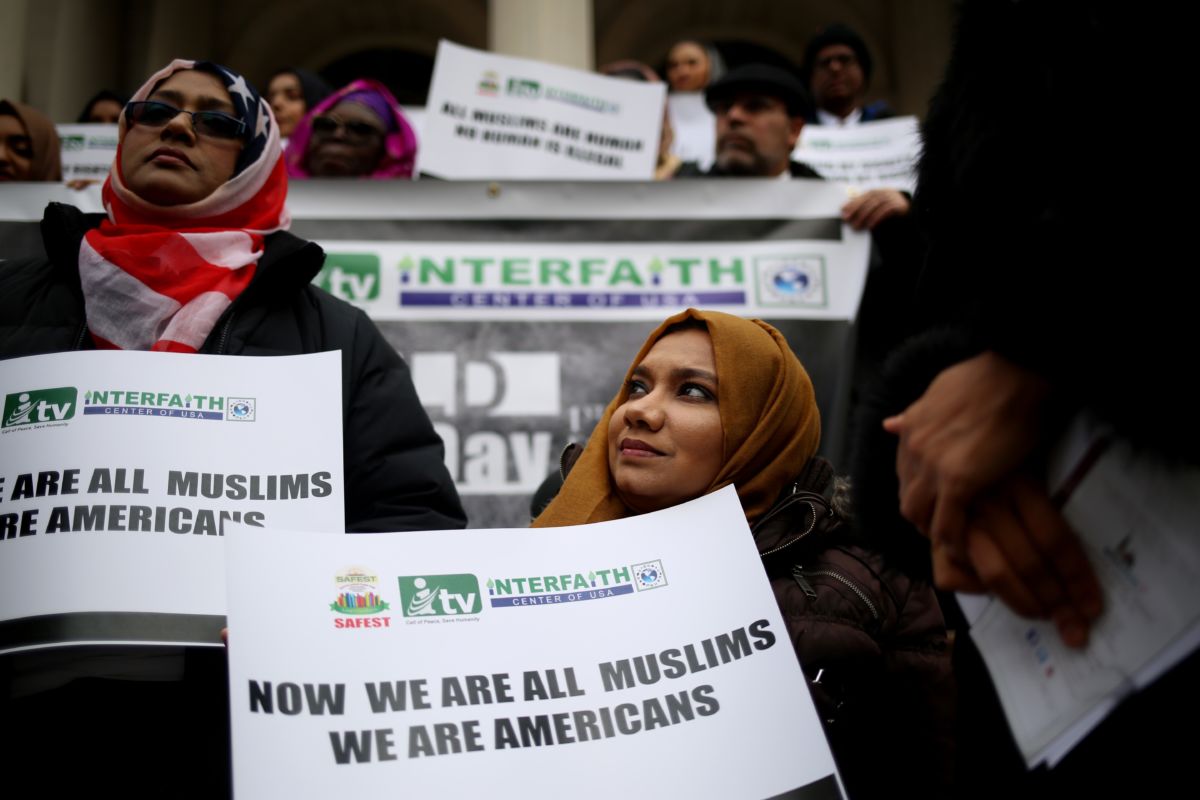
[873,155]
[1138,520]
[694,128]
[130,444]
[481,603]
[491,116]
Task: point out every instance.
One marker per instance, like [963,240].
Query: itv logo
[439,595]
[40,406]
[351,276]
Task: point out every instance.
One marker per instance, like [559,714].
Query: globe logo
[241,409]
[791,280]
[648,575]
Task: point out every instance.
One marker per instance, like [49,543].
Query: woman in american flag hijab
[192,255]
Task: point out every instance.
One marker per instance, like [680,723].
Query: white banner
[873,155]
[647,652]
[87,150]
[597,280]
[120,470]
[492,116]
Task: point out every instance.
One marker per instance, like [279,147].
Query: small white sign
[873,155]
[87,150]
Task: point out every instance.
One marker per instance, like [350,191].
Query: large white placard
[492,116]
[645,655]
[120,470]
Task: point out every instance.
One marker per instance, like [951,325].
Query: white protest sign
[492,116]
[873,155]
[119,471]
[647,652]
[87,150]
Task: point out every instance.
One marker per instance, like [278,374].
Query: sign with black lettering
[493,116]
[647,652]
[120,471]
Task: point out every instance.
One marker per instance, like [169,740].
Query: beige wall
[71,48]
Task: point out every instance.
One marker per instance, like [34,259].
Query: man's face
[837,77]
[755,135]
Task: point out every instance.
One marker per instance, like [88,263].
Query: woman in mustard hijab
[712,400]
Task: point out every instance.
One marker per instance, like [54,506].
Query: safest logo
[359,599]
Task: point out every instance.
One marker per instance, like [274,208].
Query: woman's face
[287,102]
[105,111]
[347,142]
[665,443]
[171,165]
[687,68]
[16,149]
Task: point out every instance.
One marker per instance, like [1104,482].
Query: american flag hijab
[158,277]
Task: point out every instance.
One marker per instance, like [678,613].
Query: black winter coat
[395,477]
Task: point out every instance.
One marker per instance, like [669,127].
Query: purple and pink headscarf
[400,143]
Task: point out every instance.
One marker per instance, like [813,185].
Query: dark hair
[689,324]
[103,94]
[836,33]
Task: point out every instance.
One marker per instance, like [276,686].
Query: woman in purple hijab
[358,131]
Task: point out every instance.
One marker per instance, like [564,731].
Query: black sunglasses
[326,125]
[153,114]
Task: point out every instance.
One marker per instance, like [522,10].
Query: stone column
[558,31]
[12,48]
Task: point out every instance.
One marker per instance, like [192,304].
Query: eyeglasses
[153,114]
[327,125]
[845,61]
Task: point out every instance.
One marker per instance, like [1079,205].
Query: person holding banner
[193,257]
[712,400]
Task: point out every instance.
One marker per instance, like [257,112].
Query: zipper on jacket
[224,334]
[797,538]
[800,573]
[80,337]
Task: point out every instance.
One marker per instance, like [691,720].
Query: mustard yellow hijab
[768,414]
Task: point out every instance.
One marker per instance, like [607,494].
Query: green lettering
[554,268]
[502,586]
[716,270]
[625,273]
[621,575]
[685,268]
[477,265]
[444,272]
[515,271]
[588,269]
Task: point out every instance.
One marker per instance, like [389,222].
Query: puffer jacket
[870,638]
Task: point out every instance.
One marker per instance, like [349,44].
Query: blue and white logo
[240,409]
[791,280]
[649,575]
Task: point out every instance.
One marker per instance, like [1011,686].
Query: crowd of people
[945,490]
